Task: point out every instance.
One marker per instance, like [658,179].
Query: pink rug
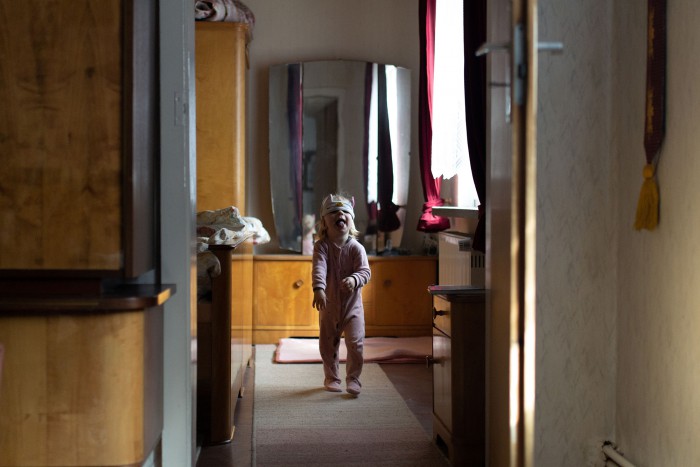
[376,349]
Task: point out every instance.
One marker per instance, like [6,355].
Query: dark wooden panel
[141,137]
[459,373]
[61,124]
[78,136]
[219,358]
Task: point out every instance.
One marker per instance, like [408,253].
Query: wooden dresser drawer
[442,315]
[396,300]
[459,372]
[282,298]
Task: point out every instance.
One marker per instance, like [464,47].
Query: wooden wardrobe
[224,322]
[82,378]
[220,72]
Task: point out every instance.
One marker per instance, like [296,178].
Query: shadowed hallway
[412,381]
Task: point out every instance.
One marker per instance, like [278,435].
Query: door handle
[437,313]
[488,47]
[550,47]
[519,57]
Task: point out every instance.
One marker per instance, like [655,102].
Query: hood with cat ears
[333,203]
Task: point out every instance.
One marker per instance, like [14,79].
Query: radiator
[457,263]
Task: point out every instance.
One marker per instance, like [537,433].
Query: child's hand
[349,283]
[319,299]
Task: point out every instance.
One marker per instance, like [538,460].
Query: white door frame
[178,209]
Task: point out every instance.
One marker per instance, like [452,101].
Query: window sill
[454,211]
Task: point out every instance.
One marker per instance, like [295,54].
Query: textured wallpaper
[617,310]
[658,386]
[576,239]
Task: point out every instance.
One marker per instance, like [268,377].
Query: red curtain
[428,222]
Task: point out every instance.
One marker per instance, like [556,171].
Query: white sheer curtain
[450,152]
[372,166]
[392,95]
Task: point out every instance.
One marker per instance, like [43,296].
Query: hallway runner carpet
[376,349]
[298,423]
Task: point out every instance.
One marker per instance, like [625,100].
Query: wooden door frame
[511,241]
[524,240]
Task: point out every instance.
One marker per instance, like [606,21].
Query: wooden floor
[413,381]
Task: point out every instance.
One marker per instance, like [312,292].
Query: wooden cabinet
[78,126]
[82,378]
[396,300]
[282,298]
[224,325]
[82,381]
[459,373]
[220,73]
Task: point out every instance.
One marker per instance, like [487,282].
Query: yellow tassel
[648,204]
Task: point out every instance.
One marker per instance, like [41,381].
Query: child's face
[338,223]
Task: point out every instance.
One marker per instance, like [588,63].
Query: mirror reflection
[339,127]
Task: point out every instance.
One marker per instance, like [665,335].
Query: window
[450,152]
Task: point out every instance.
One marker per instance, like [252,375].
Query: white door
[511,51]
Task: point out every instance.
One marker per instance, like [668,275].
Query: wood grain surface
[81,389]
[60,134]
[220,79]
[396,299]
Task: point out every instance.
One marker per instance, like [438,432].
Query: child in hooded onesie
[340,269]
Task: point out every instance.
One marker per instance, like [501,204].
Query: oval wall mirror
[339,127]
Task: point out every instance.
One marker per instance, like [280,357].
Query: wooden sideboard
[282,296]
[459,373]
[82,380]
[395,300]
